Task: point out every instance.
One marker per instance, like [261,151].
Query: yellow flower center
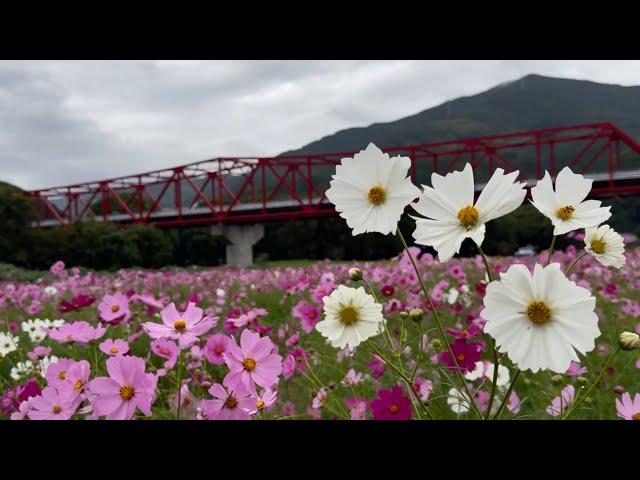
[115,308]
[566,212]
[78,384]
[598,246]
[231,402]
[377,195]
[393,409]
[249,364]
[56,409]
[636,416]
[114,350]
[260,404]
[348,315]
[468,217]
[62,375]
[460,357]
[164,351]
[127,392]
[179,325]
[7,345]
[539,312]
[218,350]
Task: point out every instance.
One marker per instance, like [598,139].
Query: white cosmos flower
[351,316]
[50,290]
[371,190]
[458,401]
[566,207]
[8,344]
[540,320]
[605,245]
[451,214]
[44,363]
[21,368]
[503,374]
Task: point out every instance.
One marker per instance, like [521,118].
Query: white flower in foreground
[44,363]
[21,369]
[371,190]
[540,320]
[605,245]
[458,401]
[451,214]
[566,207]
[351,316]
[8,344]
[484,370]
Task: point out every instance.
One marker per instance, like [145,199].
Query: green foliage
[15,217]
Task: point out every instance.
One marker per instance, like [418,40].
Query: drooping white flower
[44,363]
[21,369]
[540,320]
[452,215]
[605,245]
[371,190]
[351,316]
[566,207]
[458,401]
[8,344]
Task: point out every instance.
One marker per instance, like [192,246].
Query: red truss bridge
[233,190]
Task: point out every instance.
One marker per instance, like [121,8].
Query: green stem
[575,261]
[474,406]
[592,386]
[179,385]
[551,247]
[505,400]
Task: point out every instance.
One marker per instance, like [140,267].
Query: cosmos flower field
[312,380]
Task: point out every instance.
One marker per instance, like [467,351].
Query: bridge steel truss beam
[249,190]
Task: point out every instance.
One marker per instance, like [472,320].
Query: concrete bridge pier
[242,238]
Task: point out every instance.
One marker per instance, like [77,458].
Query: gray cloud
[73,121]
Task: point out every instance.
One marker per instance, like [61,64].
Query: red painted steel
[236,190]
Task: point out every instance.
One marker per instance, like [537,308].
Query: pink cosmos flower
[114,347]
[38,353]
[228,405]
[575,370]
[265,400]
[58,267]
[357,408]
[115,308]
[391,405]
[57,371]
[319,398]
[289,367]
[215,348]
[77,378]
[80,332]
[127,387]
[423,388]
[560,404]
[252,362]
[513,405]
[147,300]
[352,378]
[53,404]
[627,408]
[308,315]
[23,409]
[166,349]
[376,365]
[188,402]
[387,291]
[185,327]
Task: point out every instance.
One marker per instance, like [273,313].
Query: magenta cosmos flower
[114,347]
[215,348]
[627,408]
[76,303]
[234,404]
[114,308]
[184,327]
[391,405]
[127,387]
[251,363]
[308,315]
[55,403]
[466,353]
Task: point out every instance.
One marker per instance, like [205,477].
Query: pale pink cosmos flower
[513,405]
[184,327]
[57,371]
[166,349]
[265,400]
[115,308]
[320,397]
[80,332]
[575,370]
[77,378]
[289,367]
[114,347]
[253,362]
[228,404]
[308,315]
[52,404]
[560,404]
[627,408]
[352,378]
[188,403]
[24,409]
[127,387]
[215,348]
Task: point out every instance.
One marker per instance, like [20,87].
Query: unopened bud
[629,341]
[619,389]
[404,315]
[355,274]
[416,314]
[557,379]
[436,344]
[331,385]
[581,380]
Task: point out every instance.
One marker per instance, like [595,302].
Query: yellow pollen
[56,409]
[249,364]
[260,404]
[230,403]
[539,312]
[78,385]
[377,195]
[460,357]
[636,416]
[164,351]
[62,375]
[566,212]
[114,350]
[468,217]
[127,392]
[348,315]
[179,325]
[218,350]
[115,308]
[598,246]
[393,409]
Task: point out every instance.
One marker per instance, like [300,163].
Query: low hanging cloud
[65,122]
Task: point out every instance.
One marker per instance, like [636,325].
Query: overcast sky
[73,121]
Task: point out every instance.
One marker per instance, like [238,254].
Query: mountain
[533,101]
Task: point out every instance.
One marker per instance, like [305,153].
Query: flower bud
[404,315]
[416,314]
[581,380]
[355,274]
[619,389]
[331,385]
[556,379]
[629,341]
[436,344]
